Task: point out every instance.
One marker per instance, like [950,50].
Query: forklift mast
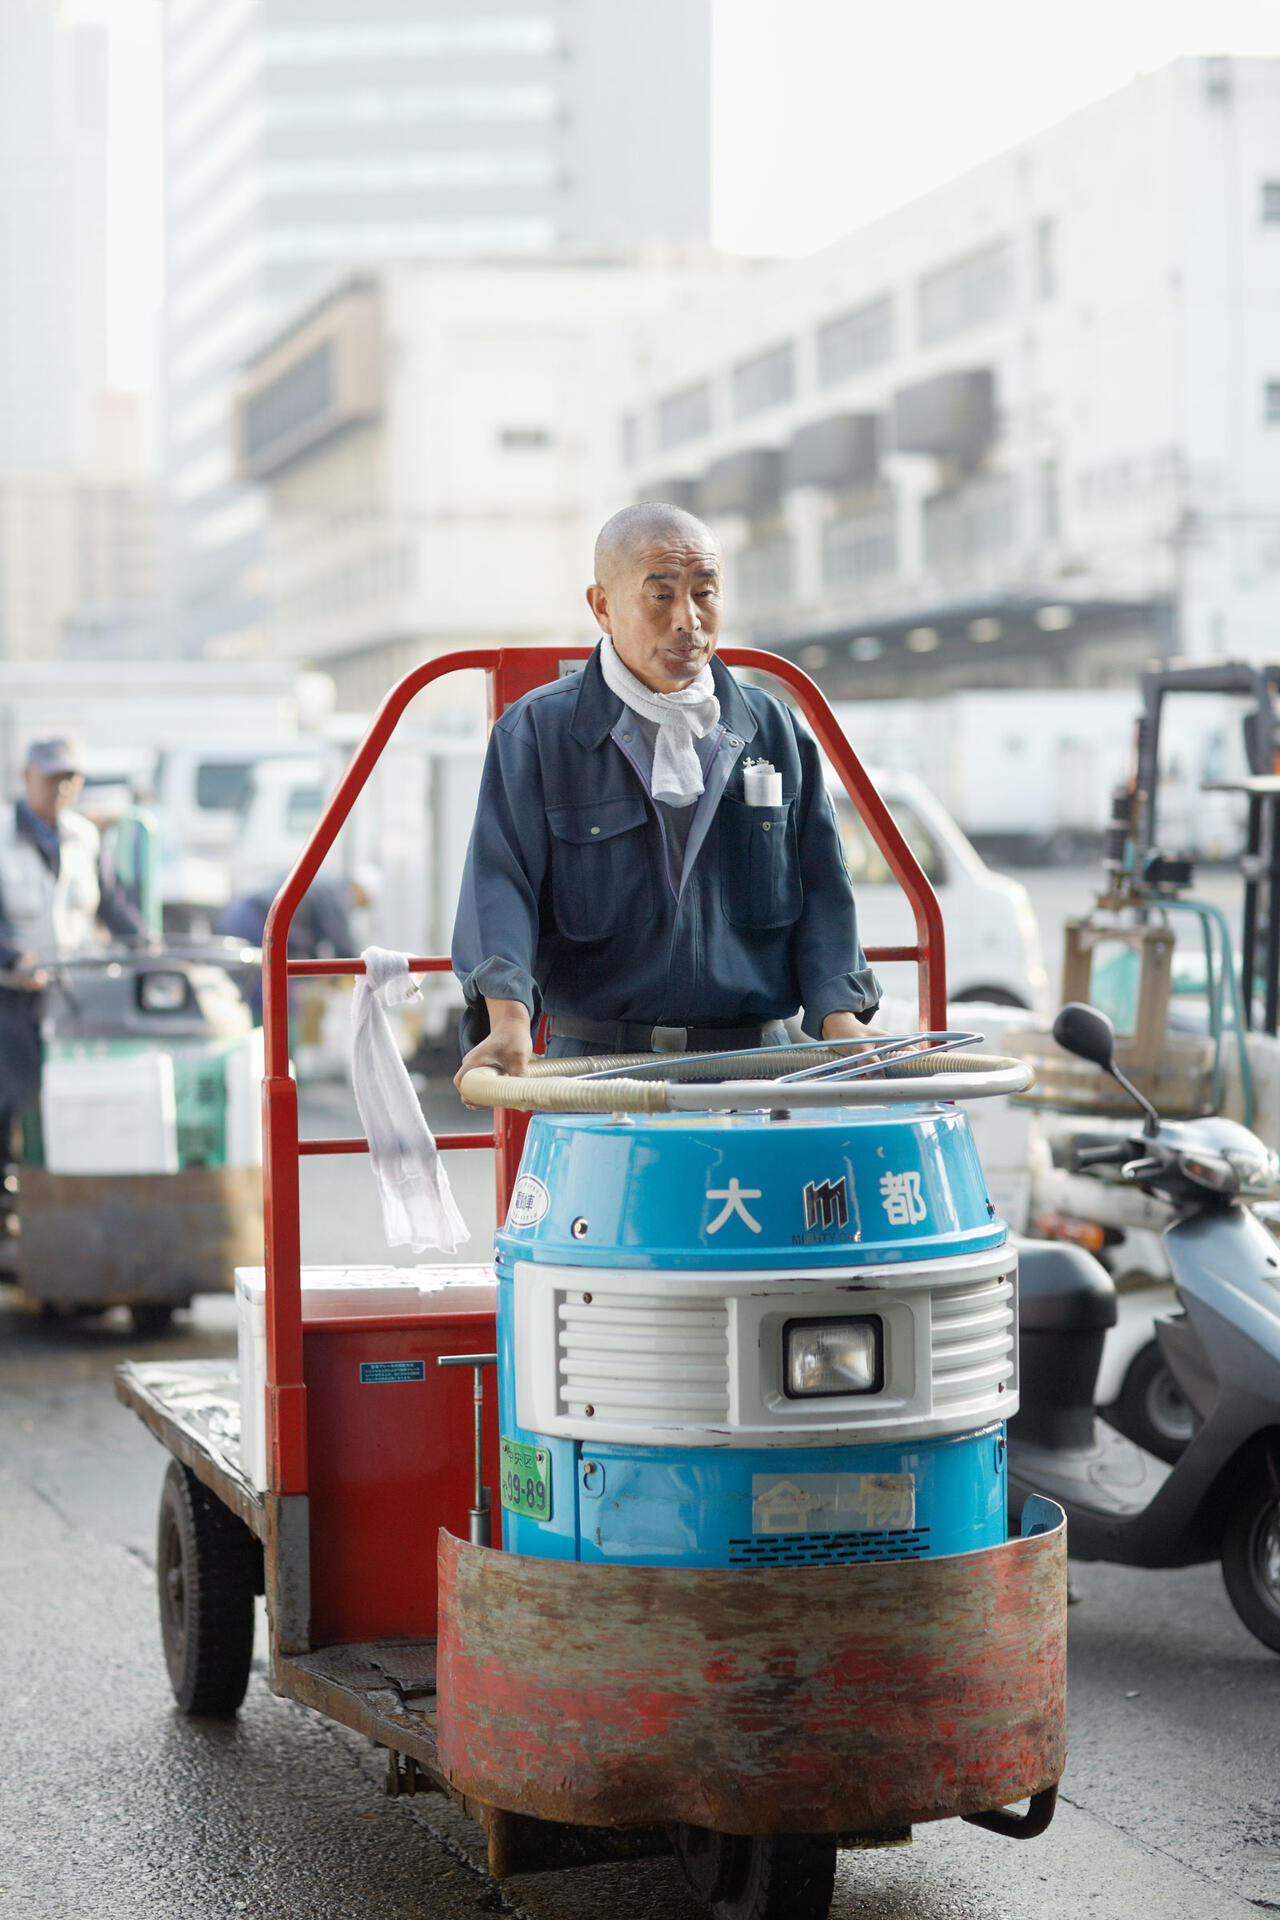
[1260,859]
[1210,676]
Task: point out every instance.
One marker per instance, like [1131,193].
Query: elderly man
[50,898]
[621,877]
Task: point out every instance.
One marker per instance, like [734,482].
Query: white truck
[1026,774]
[183,735]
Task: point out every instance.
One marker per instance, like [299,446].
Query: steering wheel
[909,1070]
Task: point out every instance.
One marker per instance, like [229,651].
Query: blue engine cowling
[654,1275]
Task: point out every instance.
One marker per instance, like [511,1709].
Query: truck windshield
[863,858]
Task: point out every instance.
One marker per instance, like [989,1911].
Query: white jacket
[49,917]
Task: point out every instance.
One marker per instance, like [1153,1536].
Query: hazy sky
[825,113]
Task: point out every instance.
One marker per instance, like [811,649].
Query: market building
[1022,431]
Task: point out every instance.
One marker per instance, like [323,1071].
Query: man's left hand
[847,1026]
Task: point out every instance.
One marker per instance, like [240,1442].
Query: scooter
[1136,1393]
[1221,1499]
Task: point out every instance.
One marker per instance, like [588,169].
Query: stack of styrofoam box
[245,1068]
[334,1293]
[113,1114]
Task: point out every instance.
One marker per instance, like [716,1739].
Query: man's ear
[598,601]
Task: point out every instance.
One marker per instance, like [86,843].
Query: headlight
[162,992]
[1255,1172]
[1234,1171]
[833,1356]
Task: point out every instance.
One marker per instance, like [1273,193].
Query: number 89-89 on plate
[525,1474]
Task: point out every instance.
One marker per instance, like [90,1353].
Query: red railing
[510,673]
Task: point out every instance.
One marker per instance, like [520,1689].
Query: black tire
[991,997]
[151,1318]
[206,1575]
[788,1876]
[1151,1409]
[1251,1558]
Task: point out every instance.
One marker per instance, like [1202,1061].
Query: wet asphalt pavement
[113,1806]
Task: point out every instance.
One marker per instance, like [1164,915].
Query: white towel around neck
[681,718]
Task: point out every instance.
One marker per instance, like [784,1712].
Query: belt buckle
[669,1040]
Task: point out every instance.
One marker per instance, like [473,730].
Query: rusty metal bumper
[98,1239]
[775,1699]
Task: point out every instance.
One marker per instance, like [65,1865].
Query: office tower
[304,137]
[52,219]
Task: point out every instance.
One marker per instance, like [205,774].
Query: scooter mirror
[1088,1033]
[1085,1031]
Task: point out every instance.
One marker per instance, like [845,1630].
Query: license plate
[525,1474]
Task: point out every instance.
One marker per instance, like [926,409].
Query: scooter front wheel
[1251,1559]
[785,1876]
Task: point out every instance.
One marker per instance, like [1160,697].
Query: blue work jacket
[568,899]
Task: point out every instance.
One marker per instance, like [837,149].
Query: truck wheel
[206,1572]
[1151,1408]
[151,1318]
[1251,1559]
[787,1876]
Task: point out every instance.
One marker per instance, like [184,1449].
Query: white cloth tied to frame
[418,1207]
[681,718]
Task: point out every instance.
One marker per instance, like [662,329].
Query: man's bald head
[631,528]
[657,592]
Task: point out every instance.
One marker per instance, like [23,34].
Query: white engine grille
[644,1359]
[972,1343]
[695,1354]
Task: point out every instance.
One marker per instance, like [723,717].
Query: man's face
[50,794]
[662,607]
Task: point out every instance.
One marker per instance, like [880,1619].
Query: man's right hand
[28,975]
[508,1045]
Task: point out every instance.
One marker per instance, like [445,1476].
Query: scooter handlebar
[1113,1155]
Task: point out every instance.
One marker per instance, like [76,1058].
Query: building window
[1046,279]
[1050,500]
[977,519]
[301,396]
[523,439]
[685,415]
[859,546]
[764,572]
[853,341]
[405,40]
[965,293]
[764,381]
[386,105]
[1271,403]
[630,439]
[1271,201]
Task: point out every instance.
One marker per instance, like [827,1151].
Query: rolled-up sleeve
[495,934]
[830,965]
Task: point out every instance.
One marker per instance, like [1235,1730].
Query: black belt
[635,1036]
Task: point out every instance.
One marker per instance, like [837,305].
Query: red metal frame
[510,674]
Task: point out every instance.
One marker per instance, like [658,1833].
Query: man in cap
[51,897]
[625,876]
[321,928]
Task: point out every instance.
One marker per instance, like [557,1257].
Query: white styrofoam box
[110,1114]
[245,1067]
[251,1350]
[331,1293]
[469,1289]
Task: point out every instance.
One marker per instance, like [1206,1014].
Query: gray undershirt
[676,821]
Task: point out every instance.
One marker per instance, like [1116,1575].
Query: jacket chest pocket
[759,864]
[601,877]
